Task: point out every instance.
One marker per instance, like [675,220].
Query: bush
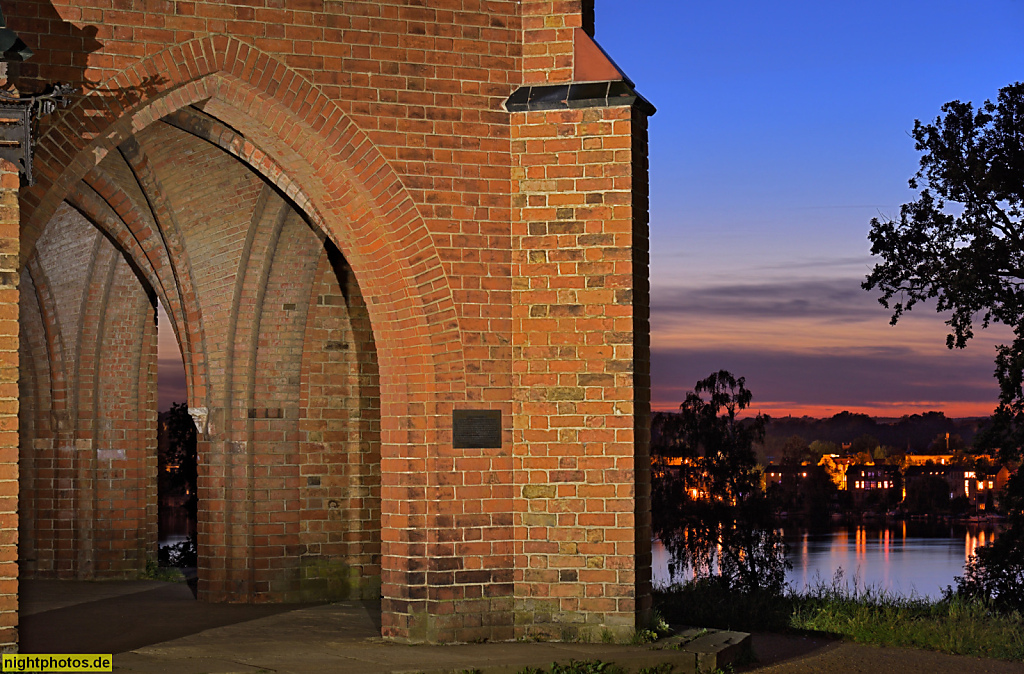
[709,602]
[182,555]
[996,572]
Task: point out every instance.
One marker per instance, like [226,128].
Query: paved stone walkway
[158,628]
[782,654]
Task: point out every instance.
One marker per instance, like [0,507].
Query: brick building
[874,484]
[403,246]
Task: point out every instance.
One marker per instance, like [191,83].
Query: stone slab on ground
[709,649]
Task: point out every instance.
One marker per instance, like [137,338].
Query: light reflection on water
[903,557]
[172,525]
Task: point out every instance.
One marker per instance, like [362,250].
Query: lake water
[173,525]
[903,557]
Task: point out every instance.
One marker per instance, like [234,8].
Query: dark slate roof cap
[611,94]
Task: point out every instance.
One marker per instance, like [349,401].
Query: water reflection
[173,525]
[903,557]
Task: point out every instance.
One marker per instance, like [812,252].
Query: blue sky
[782,129]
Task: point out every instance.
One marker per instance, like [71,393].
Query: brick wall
[549,28]
[576,451]
[339,439]
[289,178]
[9,220]
[88,500]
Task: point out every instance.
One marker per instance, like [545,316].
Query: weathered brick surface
[549,28]
[339,439]
[352,238]
[88,391]
[579,244]
[9,361]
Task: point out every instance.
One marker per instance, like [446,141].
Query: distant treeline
[915,433]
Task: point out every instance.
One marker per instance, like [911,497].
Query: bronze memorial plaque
[476,429]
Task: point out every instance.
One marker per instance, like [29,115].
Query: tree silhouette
[179,462]
[969,259]
[708,506]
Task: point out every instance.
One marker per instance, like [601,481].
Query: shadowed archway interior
[280,365]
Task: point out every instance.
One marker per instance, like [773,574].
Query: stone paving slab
[96,615]
[39,596]
[334,638]
[850,658]
[709,649]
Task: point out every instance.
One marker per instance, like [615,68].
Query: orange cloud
[898,408]
[816,348]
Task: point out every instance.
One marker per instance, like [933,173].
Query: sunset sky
[782,129]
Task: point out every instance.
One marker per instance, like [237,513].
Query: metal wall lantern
[17,112]
[15,115]
[16,134]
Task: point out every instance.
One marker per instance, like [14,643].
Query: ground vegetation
[955,624]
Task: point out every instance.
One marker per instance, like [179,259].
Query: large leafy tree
[961,244]
[708,506]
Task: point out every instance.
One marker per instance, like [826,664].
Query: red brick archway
[489,196]
[280,126]
[350,191]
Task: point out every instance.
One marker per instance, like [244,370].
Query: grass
[163,573]
[953,624]
[577,667]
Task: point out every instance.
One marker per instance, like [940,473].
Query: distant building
[786,475]
[836,467]
[987,485]
[914,473]
[924,459]
[979,486]
[962,483]
[874,483]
